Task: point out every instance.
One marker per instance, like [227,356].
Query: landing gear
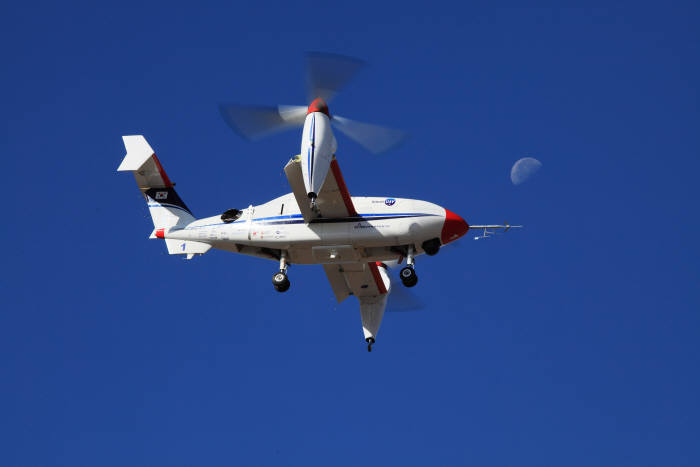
[280,280]
[408,274]
[370,341]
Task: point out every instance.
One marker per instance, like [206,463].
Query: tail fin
[166,208]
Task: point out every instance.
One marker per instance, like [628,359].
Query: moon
[524,169]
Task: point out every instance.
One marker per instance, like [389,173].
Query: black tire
[431,247]
[411,283]
[408,276]
[280,281]
[407,273]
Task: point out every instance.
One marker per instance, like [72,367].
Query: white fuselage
[375,234]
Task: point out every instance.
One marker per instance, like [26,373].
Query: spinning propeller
[402,299]
[326,75]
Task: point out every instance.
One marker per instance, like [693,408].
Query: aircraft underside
[318,222]
[352,237]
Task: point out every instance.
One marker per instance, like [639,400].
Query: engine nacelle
[318,145]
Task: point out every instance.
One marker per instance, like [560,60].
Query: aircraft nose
[453,228]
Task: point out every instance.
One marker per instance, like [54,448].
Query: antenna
[490,233]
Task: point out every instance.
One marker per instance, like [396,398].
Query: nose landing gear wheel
[408,276]
[369,341]
[280,281]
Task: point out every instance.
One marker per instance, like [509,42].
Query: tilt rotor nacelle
[318,146]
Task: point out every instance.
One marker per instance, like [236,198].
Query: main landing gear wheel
[370,341]
[280,281]
[408,276]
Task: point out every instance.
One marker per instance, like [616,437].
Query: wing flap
[340,287]
[359,279]
[333,199]
[296,181]
[370,283]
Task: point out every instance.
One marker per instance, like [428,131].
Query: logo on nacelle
[390,201]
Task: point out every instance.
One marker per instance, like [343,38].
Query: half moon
[524,169]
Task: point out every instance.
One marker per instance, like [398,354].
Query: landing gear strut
[408,274]
[370,341]
[280,280]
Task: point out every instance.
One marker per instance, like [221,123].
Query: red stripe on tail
[163,175]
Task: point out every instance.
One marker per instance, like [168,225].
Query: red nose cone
[318,105]
[453,228]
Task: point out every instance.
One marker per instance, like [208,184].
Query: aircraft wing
[359,279]
[333,200]
[370,283]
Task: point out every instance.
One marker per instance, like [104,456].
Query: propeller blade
[326,74]
[376,139]
[401,299]
[255,122]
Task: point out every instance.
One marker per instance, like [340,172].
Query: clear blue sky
[572,342]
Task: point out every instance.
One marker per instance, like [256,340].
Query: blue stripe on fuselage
[298,219]
[312,150]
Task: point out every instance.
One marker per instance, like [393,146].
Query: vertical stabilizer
[165,205]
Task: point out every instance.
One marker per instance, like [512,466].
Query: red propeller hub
[453,228]
[318,105]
